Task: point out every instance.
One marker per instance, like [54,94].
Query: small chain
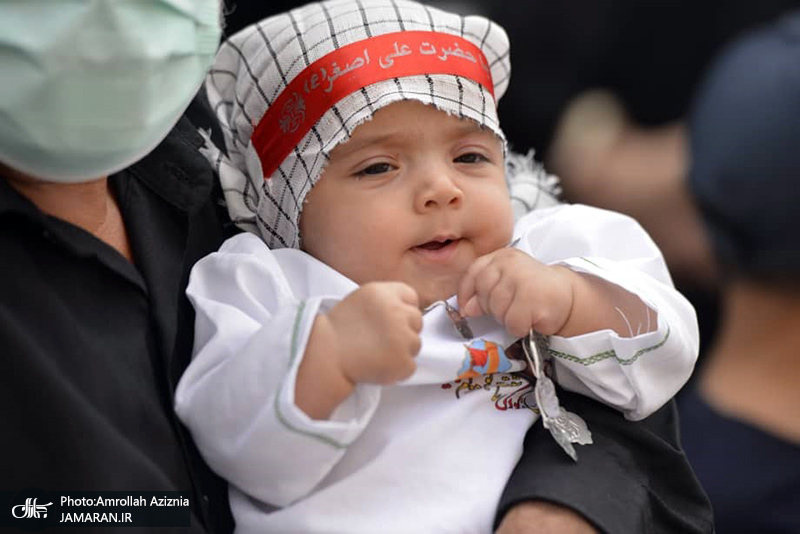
[459,321]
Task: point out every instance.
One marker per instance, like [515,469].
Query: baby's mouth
[436,244]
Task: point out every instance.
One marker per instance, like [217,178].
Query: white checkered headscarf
[255,66]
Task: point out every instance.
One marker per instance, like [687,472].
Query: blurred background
[627,103]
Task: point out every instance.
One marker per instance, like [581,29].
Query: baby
[328,386]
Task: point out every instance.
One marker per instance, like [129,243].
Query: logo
[293,114]
[30,509]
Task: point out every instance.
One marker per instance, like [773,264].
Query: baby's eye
[377,168]
[471,157]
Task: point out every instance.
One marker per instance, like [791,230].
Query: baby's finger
[466,288]
[500,298]
[518,319]
[406,293]
[414,346]
[471,308]
[485,284]
[415,320]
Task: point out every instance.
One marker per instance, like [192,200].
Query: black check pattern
[256,64]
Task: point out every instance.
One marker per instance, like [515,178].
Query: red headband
[355,66]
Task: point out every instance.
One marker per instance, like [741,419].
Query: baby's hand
[518,291]
[377,332]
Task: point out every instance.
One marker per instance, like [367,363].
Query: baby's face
[415,195]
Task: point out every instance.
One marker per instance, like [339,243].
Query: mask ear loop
[565,427]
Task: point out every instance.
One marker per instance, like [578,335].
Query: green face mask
[91,86]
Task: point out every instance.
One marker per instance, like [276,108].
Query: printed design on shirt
[608,354]
[483,358]
[486,367]
[510,391]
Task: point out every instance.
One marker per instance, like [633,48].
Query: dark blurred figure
[649,54]
[241,13]
[741,427]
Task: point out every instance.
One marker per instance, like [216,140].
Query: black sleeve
[633,478]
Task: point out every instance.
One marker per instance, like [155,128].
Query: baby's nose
[439,191]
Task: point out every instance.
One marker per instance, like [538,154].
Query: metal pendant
[565,427]
[459,322]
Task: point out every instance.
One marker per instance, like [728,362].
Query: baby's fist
[519,291]
[378,328]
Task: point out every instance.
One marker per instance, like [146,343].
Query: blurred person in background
[740,421]
[604,97]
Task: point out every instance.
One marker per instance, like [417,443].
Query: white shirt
[426,455]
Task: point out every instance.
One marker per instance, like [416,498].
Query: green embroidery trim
[599,357]
[591,263]
[292,356]
[295,329]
